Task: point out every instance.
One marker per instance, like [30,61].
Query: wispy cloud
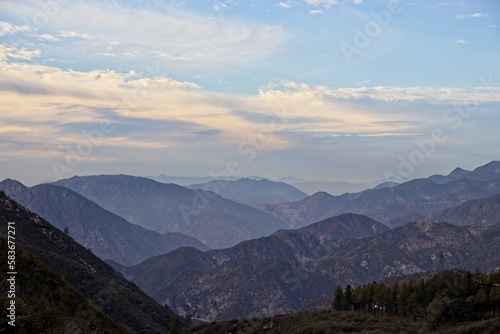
[11,29]
[472,16]
[316,11]
[17,53]
[329,3]
[460,41]
[285,5]
[157,32]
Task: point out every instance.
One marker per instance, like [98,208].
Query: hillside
[253,191]
[48,303]
[296,270]
[215,221]
[476,212]
[390,205]
[100,284]
[106,234]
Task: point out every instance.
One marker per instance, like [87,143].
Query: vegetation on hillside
[45,303]
[449,302]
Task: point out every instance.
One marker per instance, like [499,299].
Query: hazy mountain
[331,187]
[216,221]
[488,172]
[100,284]
[186,180]
[348,225]
[290,271]
[477,212]
[106,234]
[388,184]
[253,191]
[415,197]
[403,220]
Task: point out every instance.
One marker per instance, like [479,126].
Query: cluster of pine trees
[448,296]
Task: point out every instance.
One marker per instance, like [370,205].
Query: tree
[358,299]
[494,297]
[380,297]
[337,298]
[347,298]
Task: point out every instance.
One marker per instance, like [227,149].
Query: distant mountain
[403,220]
[185,180]
[476,212]
[291,271]
[415,197]
[331,187]
[96,281]
[216,221]
[349,225]
[253,191]
[106,234]
[488,172]
[388,184]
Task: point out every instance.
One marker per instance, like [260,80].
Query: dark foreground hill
[108,236]
[96,282]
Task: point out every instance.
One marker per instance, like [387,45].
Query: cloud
[329,3]
[185,38]
[361,83]
[316,11]
[460,41]
[11,29]
[285,5]
[17,53]
[47,37]
[74,34]
[471,16]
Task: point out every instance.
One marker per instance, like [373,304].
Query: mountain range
[83,289]
[253,191]
[419,197]
[109,236]
[204,215]
[274,249]
[291,271]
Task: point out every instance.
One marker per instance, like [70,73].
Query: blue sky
[318,89]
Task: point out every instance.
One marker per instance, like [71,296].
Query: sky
[339,90]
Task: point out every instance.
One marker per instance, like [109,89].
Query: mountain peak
[12,187]
[491,167]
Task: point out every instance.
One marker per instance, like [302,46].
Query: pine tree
[337,298]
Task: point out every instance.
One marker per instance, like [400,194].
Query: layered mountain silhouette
[296,270]
[417,198]
[253,191]
[52,257]
[216,221]
[476,212]
[106,234]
